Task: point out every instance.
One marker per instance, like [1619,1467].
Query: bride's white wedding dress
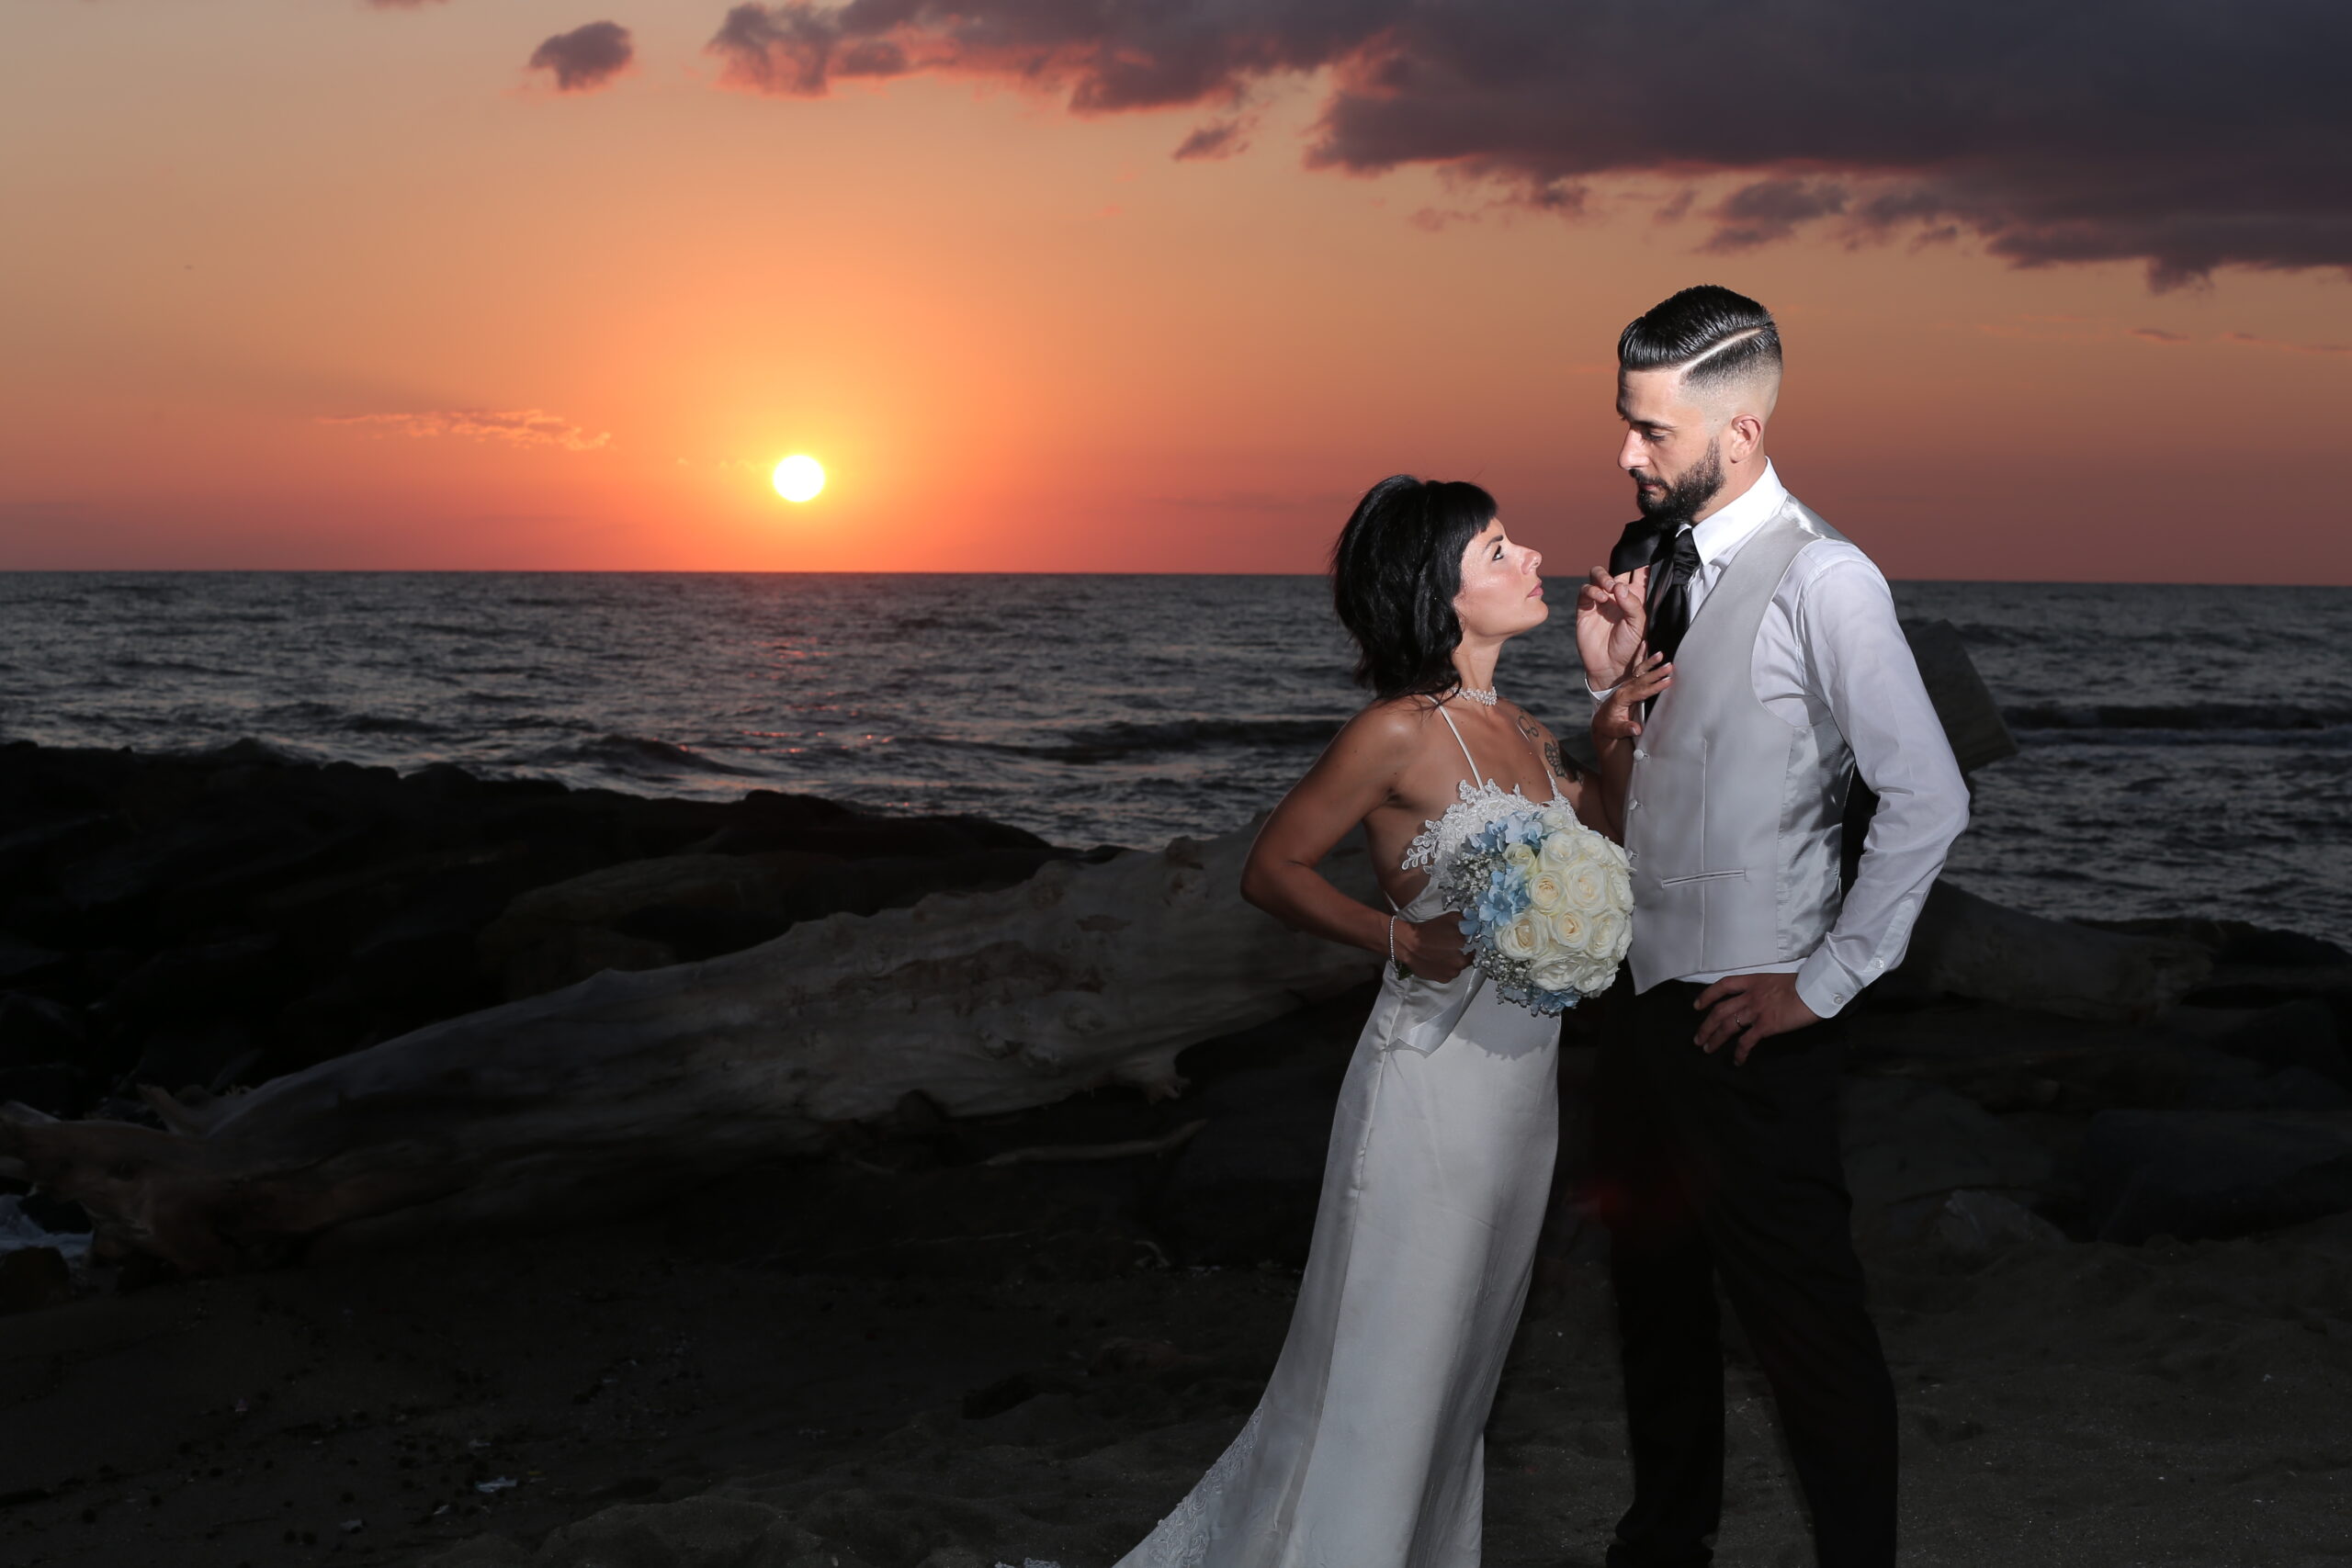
[1367,1449]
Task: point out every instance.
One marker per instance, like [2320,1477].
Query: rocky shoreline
[2097,1246]
[220,918]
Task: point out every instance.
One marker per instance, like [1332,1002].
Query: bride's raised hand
[1433,950]
[1618,718]
[1611,619]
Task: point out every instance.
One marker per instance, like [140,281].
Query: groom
[1717,1094]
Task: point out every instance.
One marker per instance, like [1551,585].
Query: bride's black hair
[1394,573]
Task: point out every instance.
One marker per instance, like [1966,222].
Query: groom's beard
[1679,500]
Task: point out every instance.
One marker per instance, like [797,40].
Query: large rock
[26,960]
[1968,946]
[1964,706]
[1971,1221]
[32,1277]
[2299,1034]
[35,1030]
[2289,1089]
[1910,1145]
[55,1088]
[2213,1173]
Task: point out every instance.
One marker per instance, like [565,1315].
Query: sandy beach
[706,1385]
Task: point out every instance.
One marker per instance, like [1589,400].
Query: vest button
[1632,806]
[1640,755]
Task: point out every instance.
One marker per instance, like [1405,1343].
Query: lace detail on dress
[1183,1540]
[1480,806]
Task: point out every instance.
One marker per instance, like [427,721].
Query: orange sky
[262,256]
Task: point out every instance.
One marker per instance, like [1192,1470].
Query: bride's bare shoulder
[1383,737]
[1390,724]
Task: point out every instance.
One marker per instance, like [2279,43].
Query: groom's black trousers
[1706,1171]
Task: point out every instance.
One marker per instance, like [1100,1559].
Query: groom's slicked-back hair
[1714,337]
[1394,573]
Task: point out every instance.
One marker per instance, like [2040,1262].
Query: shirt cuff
[1599,698]
[1825,985]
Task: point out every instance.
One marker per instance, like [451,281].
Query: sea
[2184,750]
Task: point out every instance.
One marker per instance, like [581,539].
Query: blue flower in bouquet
[1504,900]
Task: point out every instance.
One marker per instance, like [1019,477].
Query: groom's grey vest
[1734,815]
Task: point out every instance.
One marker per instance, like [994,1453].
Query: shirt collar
[1720,537]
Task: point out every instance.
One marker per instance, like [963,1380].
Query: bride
[1366,1450]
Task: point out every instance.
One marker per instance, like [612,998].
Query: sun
[798,478]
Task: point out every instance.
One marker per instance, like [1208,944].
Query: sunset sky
[514,284]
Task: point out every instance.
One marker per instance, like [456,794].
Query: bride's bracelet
[1402,972]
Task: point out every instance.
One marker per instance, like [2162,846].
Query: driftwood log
[1087,975]
[1083,976]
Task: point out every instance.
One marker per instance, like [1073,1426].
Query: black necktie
[1638,545]
[1669,594]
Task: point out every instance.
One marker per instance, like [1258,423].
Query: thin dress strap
[1467,757]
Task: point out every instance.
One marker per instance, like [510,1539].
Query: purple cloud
[1772,209]
[585,58]
[1221,138]
[2250,341]
[2184,137]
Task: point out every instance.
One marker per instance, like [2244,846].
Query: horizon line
[888,571]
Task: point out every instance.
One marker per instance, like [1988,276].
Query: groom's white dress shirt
[1830,644]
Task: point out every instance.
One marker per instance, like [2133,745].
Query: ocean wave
[635,754]
[2241,718]
[1115,742]
[391,723]
[146,666]
[326,720]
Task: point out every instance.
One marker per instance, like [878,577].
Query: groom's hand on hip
[1744,1009]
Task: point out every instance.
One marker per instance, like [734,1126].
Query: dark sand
[784,1365]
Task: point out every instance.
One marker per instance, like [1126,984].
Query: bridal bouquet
[1546,905]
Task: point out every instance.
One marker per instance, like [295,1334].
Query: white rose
[1546,892]
[1570,930]
[1557,821]
[1620,887]
[1519,858]
[1557,977]
[1607,937]
[1586,887]
[1519,938]
[1561,851]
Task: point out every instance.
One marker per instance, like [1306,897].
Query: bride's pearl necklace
[1485,699]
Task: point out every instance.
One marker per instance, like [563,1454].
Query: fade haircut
[1717,338]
